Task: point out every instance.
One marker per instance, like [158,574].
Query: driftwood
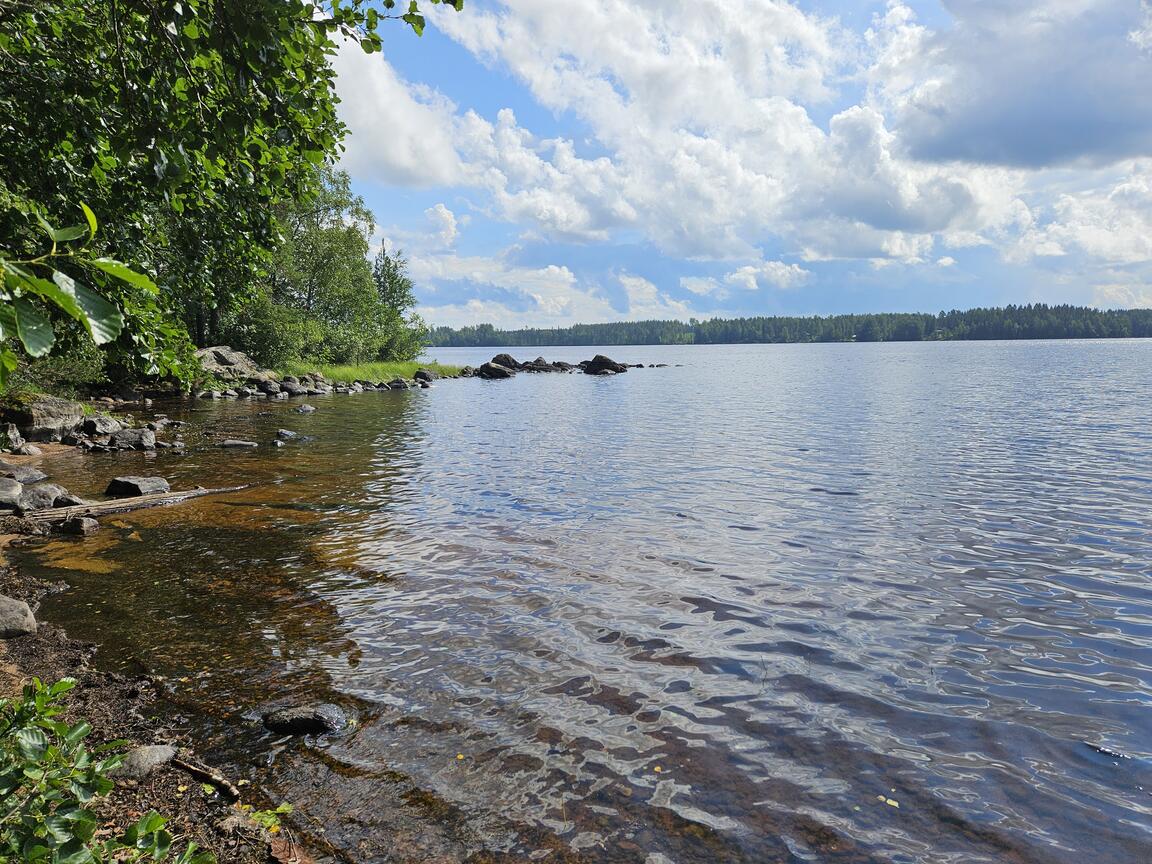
[125,505]
[209,775]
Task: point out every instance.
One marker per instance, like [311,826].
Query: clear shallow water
[727,611]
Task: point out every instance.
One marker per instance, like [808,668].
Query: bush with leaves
[48,781]
[47,274]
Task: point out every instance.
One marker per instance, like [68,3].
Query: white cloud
[1122,295]
[771,274]
[704,286]
[399,132]
[444,225]
[946,261]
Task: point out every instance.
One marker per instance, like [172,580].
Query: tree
[406,332]
[185,125]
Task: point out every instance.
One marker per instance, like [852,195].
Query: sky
[543,163]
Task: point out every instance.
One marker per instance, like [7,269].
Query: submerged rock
[80,526]
[286,434]
[233,443]
[320,719]
[10,493]
[305,409]
[16,619]
[131,487]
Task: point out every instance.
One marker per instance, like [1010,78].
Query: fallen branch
[209,775]
[125,505]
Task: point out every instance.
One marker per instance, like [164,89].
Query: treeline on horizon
[1033,321]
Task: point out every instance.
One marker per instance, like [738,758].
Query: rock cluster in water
[505,366]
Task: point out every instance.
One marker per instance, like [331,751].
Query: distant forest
[1035,321]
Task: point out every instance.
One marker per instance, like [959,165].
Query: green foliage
[48,782]
[269,820]
[323,302]
[52,275]
[1035,321]
[187,126]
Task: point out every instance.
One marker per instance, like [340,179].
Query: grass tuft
[374,372]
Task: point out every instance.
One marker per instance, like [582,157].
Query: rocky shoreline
[159,771]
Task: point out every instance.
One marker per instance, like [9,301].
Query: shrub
[48,779]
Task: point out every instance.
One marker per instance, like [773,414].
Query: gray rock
[10,492]
[45,418]
[10,437]
[232,443]
[494,371]
[16,619]
[22,473]
[507,361]
[225,363]
[101,426]
[42,496]
[80,526]
[293,389]
[467,372]
[321,719]
[286,434]
[28,450]
[133,439]
[600,365]
[142,761]
[69,500]
[305,409]
[131,487]
[426,375]
[278,443]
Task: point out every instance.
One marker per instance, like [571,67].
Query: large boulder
[494,371]
[426,375]
[42,496]
[10,492]
[131,487]
[44,418]
[21,473]
[293,388]
[133,439]
[507,361]
[223,362]
[101,426]
[322,719]
[16,619]
[601,365]
[10,437]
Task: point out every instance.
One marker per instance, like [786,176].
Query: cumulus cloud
[444,224]
[1023,84]
[399,132]
[716,131]
[768,274]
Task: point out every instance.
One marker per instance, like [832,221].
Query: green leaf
[103,319]
[416,22]
[125,273]
[66,235]
[31,743]
[34,329]
[91,217]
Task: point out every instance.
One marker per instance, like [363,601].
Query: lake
[796,603]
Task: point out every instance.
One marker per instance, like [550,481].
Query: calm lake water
[809,603]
